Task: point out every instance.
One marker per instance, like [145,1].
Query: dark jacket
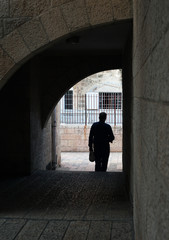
[100,134]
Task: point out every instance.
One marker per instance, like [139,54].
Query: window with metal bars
[69,100]
[108,100]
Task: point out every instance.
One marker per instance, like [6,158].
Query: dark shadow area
[29,97]
[66,195]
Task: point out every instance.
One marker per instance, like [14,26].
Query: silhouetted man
[101,135]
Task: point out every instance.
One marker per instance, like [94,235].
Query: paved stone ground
[79,161]
[60,205]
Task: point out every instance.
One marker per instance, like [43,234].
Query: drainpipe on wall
[85,110]
[58,136]
[54,156]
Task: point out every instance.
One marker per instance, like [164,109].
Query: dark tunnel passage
[30,95]
[26,103]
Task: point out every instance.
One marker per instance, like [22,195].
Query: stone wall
[25,146]
[151,119]
[15,126]
[40,139]
[74,138]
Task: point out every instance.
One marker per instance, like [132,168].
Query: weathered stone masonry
[150,118]
[29,27]
[74,138]
[35,24]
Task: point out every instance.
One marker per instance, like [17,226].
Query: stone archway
[32,26]
[29,47]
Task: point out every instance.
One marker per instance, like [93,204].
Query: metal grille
[85,109]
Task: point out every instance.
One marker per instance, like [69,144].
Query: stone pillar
[127,113]
[151,119]
[41,138]
[15,125]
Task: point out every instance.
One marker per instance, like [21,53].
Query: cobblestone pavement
[79,161]
[60,205]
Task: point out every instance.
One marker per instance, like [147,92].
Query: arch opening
[36,88]
[79,108]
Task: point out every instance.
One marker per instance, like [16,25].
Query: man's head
[102,116]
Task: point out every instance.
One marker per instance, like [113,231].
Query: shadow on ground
[50,198]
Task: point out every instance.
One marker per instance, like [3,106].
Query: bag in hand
[91,156]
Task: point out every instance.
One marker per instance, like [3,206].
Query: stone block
[136,65]
[141,198]
[64,142]
[4,8]
[11,228]
[15,46]
[63,136]
[34,34]
[2,221]
[77,230]
[150,185]
[11,23]
[163,221]
[1,28]
[55,230]
[137,85]
[147,86]
[24,8]
[99,230]
[76,137]
[75,15]
[60,2]
[159,61]
[148,29]
[54,24]
[122,231]
[62,130]
[81,142]
[157,206]
[160,21]
[149,129]
[69,143]
[70,130]
[154,84]
[32,230]
[69,136]
[6,63]
[99,11]
[139,16]
[162,134]
[122,9]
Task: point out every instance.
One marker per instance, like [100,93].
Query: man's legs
[101,157]
[97,161]
[105,158]
[104,164]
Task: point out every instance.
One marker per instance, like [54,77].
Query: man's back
[100,134]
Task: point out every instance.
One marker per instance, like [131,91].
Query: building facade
[81,105]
